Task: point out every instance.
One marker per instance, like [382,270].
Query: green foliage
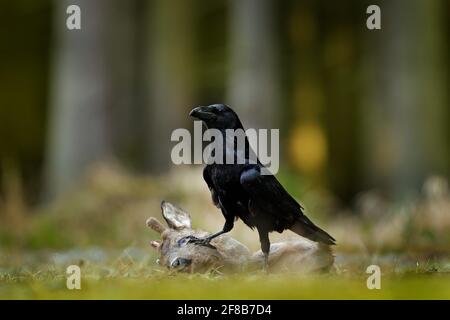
[47,234]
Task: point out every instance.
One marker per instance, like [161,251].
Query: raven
[239,190]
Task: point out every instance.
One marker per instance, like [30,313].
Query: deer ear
[155,244]
[175,217]
[155,225]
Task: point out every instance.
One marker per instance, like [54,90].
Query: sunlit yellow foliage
[308,148]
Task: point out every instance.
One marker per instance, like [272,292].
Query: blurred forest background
[362,114]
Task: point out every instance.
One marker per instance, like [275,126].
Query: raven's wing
[268,195]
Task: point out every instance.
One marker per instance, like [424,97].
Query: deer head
[176,253]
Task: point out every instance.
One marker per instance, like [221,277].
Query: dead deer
[228,254]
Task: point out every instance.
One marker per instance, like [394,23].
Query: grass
[258,286]
[133,274]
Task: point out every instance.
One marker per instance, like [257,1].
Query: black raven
[241,191]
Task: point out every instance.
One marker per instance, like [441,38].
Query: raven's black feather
[269,198]
[241,191]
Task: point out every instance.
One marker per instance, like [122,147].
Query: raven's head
[217,116]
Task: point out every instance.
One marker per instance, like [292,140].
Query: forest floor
[133,274]
[100,226]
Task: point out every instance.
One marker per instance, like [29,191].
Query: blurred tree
[169,82]
[405,118]
[253,82]
[211,52]
[308,145]
[89,82]
[339,70]
[124,45]
[24,63]
[323,130]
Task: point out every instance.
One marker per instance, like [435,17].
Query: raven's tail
[305,228]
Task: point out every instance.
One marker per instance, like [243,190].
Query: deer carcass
[226,253]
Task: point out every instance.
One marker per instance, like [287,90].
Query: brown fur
[300,255]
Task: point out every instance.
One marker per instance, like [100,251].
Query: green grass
[258,286]
[133,274]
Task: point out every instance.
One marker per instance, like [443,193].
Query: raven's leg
[265,247]
[229,223]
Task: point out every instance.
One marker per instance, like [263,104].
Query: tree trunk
[407,102]
[169,80]
[253,84]
[83,91]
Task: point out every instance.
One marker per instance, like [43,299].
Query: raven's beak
[202,113]
[195,112]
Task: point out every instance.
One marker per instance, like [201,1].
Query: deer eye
[183,241]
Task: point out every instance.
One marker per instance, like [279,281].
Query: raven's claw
[198,241]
